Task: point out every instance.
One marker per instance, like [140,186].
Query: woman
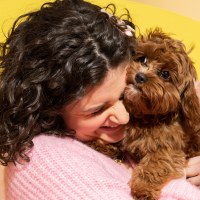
[62,86]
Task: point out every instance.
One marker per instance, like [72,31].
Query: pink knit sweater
[65,169]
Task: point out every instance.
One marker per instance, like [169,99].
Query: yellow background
[189,8]
[144,16]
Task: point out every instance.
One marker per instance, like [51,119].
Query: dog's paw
[145,195]
[144,190]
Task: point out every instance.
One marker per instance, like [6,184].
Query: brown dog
[164,128]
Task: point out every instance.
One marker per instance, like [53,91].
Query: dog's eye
[142,59]
[164,74]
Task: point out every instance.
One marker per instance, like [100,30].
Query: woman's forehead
[110,90]
[107,92]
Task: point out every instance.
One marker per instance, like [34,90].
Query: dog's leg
[154,171]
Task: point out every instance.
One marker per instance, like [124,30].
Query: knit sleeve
[64,169]
[180,189]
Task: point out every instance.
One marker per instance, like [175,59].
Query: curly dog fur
[164,128]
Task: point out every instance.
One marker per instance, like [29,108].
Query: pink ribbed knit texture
[65,169]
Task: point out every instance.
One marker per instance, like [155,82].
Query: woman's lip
[111,129]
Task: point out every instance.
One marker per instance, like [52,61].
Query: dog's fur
[164,128]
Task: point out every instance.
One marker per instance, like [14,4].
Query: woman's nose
[119,114]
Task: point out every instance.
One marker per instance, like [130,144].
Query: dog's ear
[189,99]
[191,107]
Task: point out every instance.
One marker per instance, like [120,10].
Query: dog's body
[164,129]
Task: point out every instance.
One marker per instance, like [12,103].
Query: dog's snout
[140,78]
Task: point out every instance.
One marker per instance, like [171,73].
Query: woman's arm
[180,189]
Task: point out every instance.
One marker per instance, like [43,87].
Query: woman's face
[100,114]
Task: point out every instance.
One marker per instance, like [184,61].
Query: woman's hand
[197,87]
[193,168]
[193,171]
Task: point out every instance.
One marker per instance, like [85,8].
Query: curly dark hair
[49,59]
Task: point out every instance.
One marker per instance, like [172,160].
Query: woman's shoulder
[51,151]
[62,168]
[49,145]
[63,151]
[44,140]
[71,152]
[70,157]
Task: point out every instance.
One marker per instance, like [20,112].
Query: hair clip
[127,30]
[104,11]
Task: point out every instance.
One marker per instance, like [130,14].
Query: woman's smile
[111,129]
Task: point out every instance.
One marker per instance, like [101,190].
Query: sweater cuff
[180,189]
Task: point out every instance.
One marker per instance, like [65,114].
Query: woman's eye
[142,60]
[164,74]
[97,112]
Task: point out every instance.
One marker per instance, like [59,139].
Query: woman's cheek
[92,123]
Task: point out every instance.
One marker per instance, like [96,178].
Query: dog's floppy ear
[191,107]
[189,99]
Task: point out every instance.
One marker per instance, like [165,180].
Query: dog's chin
[132,90]
[139,103]
[135,102]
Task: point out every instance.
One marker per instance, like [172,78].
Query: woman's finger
[195,181]
[194,160]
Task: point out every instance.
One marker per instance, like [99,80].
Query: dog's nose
[140,78]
